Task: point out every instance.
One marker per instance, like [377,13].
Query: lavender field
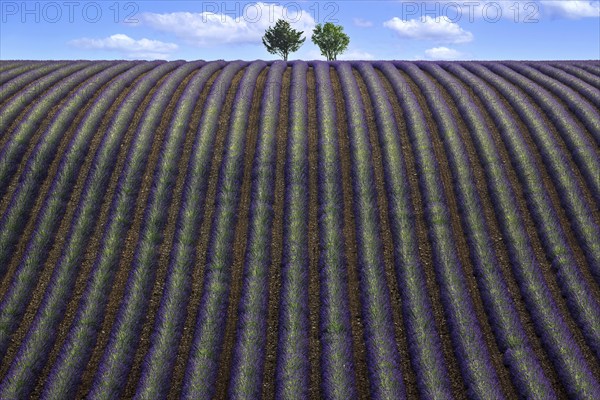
[337,230]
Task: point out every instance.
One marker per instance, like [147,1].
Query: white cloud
[443,53]
[362,23]
[131,48]
[247,25]
[429,28]
[572,9]
[520,11]
[468,11]
[356,55]
[353,54]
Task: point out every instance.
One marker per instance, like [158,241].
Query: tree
[282,39]
[331,39]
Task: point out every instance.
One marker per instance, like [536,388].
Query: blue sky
[190,30]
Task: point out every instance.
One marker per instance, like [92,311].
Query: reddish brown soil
[43,190]
[240,240]
[496,236]
[553,188]
[165,248]
[48,267]
[410,380]
[358,334]
[52,109]
[23,70]
[425,251]
[549,276]
[126,260]
[64,229]
[314,343]
[531,229]
[460,239]
[268,391]
[203,240]
[359,340]
[95,240]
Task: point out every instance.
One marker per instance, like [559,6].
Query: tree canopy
[282,39]
[331,40]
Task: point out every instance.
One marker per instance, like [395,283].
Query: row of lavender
[557,104]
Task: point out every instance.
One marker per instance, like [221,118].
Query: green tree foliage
[282,39]
[331,39]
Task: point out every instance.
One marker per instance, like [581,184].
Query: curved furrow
[50,217]
[12,84]
[274,229]
[42,114]
[40,336]
[78,346]
[6,65]
[159,362]
[64,223]
[524,366]
[581,74]
[29,106]
[292,373]
[592,68]
[134,166]
[200,376]
[337,357]
[314,285]
[550,325]
[408,374]
[424,248]
[135,209]
[568,88]
[469,344]
[248,354]
[24,279]
[240,237]
[570,82]
[502,196]
[349,232]
[585,152]
[147,173]
[584,306]
[36,169]
[424,345]
[570,192]
[202,240]
[276,244]
[147,322]
[382,353]
[6,74]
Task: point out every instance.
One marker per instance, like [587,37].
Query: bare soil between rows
[418,203]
